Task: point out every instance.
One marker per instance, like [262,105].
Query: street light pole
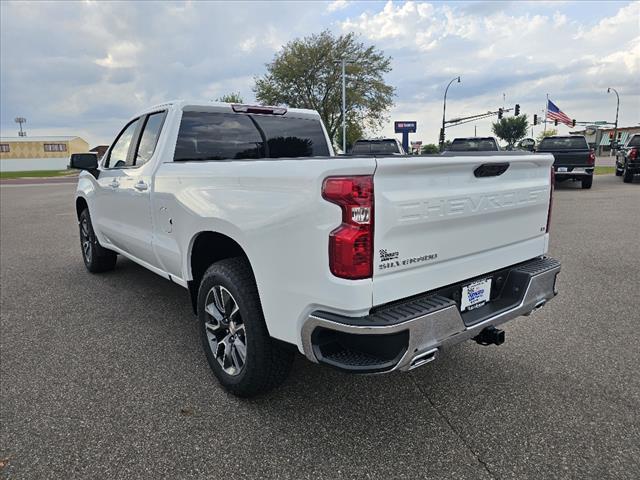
[343,62]
[444,110]
[615,128]
[344,108]
[21,120]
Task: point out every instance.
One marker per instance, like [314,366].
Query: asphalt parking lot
[103,376]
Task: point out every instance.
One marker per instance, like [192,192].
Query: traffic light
[499,113]
[555,123]
[610,135]
[517,112]
[535,118]
[573,122]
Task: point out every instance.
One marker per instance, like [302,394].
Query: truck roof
[227,107]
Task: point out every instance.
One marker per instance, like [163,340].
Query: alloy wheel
[85,239]
[225,330]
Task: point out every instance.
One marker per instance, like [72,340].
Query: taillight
[552,179]
[633,154]
[351,244]
[592,157]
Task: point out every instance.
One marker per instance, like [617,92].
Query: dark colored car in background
[474,144]
[377,146]
[574,160]
[528,144]
[628,159]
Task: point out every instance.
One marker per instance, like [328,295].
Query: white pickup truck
[369,264]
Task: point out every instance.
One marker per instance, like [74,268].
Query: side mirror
[84,161]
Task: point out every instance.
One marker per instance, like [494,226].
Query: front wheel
[239,350]
[96,258]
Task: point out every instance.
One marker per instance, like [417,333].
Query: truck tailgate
[437,223]
[569,158]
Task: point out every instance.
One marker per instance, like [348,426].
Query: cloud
[524,51]
[337,5]
[98,63]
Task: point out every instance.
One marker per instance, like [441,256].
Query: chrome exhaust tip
[423,358]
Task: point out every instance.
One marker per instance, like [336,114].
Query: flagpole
[546,107]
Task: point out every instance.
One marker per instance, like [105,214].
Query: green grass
[36,173]
[605,170]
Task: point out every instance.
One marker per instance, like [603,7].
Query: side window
[149,138]
[217,136]
[119,154]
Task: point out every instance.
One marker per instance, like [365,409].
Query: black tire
[627,175]
[587,182]
[267,362]
[619,171]
[96,258]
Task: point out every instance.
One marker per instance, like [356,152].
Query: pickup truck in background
[628,159]
[368,264]
[574,160]
[474,144]
[377,146]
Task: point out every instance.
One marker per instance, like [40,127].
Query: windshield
[368,147]
[564,143]
[635,141]
[472,145]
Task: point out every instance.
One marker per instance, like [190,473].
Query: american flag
[554,113]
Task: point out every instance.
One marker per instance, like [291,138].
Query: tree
[233,97]
[307,73]
[511,129]
[429,149]
[549,133]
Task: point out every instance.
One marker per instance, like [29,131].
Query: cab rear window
[228,136]
[473,145]
[379,147]
[564,143]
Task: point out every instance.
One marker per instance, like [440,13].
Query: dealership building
[38,153]
[600,138]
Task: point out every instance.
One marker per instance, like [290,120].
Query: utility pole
[475,130]
[615,128]
[444,110]
[546,106]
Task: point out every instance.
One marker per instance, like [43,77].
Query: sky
[84,68]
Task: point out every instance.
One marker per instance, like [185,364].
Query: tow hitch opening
[490,336]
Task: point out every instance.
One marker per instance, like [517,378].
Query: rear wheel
[619,171]
[242,355]
[587,182]
[96,258]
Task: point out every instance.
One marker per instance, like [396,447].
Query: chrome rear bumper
[430,321]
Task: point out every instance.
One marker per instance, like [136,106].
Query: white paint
[274,210]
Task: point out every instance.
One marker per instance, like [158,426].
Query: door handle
[114,183]
[141,186]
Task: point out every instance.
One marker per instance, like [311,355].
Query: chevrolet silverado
[368,264]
